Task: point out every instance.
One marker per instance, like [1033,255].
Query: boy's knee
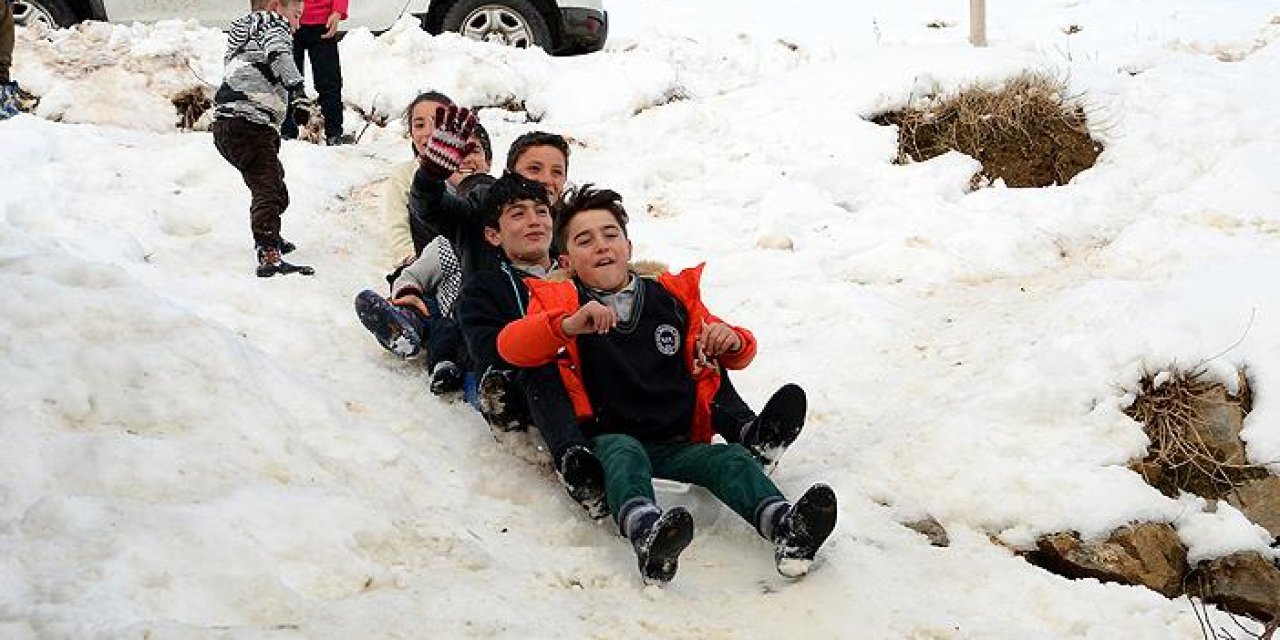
[736,455]
[618,444]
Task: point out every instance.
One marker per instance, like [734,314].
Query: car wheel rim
[496,23]
[26,14]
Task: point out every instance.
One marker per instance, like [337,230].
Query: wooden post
[978,23]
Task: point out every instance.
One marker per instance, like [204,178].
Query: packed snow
[191,451]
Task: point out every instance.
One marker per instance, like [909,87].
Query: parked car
[558,26]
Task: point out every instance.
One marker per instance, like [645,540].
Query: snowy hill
[192,452]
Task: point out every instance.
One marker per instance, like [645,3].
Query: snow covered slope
[187,451]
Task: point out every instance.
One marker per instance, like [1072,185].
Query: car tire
[512,22]
[54,13]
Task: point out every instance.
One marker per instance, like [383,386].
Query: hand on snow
[591,317]
[716,340]
[448,145]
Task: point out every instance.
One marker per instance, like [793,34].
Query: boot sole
[380,318]
[781,422]
[813,520]
[672,533]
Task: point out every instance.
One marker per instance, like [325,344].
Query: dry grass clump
[1182,412]
[1027,132]
[191,104]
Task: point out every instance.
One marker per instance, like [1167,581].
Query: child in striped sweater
[259,84]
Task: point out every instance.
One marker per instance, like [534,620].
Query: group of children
[531,293]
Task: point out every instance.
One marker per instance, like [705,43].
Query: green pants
[727,470]
[6,40]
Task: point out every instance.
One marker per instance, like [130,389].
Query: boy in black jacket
[517,223]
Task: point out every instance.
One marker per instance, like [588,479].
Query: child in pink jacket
[317,36]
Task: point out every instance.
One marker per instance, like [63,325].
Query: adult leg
[6,40]
[326,67]
[289,130]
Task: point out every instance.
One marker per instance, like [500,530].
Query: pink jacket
[317,11]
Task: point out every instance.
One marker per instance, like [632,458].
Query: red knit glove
[448,144]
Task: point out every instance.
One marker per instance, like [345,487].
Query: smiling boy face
[597,249]
[524,231]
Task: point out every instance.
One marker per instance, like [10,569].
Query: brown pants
[6,40]
[254,149]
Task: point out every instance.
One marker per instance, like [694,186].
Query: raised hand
[448,144]
[591,317]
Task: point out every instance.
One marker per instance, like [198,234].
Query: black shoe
[446,377]
[387,323]
[777,426]
[583,477]
[270,264]
[340,140]
[658,549]
[287,247]
[499,403]
[803,529]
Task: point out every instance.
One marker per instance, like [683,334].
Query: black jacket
[434,211]
[490,299]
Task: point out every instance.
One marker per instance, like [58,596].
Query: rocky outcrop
[1244,583]
[1147,554]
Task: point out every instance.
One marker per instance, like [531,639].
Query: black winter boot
[802,530]
[499,401]
[387,323]
[777,426]
[659,545]
[446,377]
[583,477]
[270,263]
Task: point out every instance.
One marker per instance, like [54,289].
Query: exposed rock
[1259,500]
[1147,554]
[776,242]
[931,530]
[1244,583]
[1221,419]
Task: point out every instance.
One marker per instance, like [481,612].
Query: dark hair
[586,198]
[425,96]
[485,144]
[536,139]
[511,187]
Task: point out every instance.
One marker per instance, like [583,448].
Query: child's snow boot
[583,477]
[499,401]
[388,324]
[446,377]
[802,529]
[770,434]
[659,543]
[270,263]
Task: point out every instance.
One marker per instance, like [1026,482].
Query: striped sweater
[260,71]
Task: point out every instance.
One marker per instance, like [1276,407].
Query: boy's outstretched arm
[441,212]
[533,340]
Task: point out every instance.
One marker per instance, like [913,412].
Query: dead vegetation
[1193,424]
[191,104]
[1028,132]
